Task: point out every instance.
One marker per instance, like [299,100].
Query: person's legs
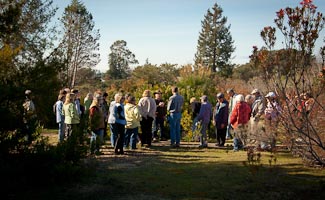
[61,131]
[217,137]
[134,136]
[122,131]
[113,134]
[68,130]
[203,138]
[99,139]
[128,133]
[143,137]
[149,130]
[237,141]
[228,133]
[222,136]
[154,129]
[160,126]
[172,123]
[120,139]
[93,138]
[178,128]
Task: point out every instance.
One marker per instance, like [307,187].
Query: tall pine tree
[80,42]
[215,44]
[119,60]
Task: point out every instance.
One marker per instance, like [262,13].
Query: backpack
[29,107]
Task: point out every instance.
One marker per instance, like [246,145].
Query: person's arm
[233,116]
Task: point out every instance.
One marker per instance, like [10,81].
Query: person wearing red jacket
[239,119]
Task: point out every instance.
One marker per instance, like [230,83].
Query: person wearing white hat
[258,105]
[271,112]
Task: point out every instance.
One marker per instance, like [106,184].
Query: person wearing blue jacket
[220,119]
[60,117]
[204,118]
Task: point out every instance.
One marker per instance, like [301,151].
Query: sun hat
[270,94]
[220,95]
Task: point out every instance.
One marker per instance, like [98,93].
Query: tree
[80,41]
[215,44]
[119,60]
[28,60]
[152,74]
[294,75]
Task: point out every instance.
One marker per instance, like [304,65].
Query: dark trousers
[71,129]
[221,136]
[159,124]
[146,128]
[119,143]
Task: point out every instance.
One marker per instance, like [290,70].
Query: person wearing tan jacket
[133,118]
[147,107]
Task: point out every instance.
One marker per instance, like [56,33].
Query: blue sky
[167,30]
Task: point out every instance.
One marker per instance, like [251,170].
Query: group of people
[249,120]
[123,116]
[239,117]
[72,116]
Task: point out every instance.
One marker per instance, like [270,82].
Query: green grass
[191,173]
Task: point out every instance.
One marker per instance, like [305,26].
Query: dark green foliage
[215,44]
[152,74]
[119,60]
[27,62]
[44,166]
[24,65]
[245,72]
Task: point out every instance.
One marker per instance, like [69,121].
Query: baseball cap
[270,94]
[27,92]
[255,91]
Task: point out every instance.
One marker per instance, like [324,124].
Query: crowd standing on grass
[251,120]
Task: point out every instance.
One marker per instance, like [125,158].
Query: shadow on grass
[161,172]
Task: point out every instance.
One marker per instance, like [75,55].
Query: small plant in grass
[253,161]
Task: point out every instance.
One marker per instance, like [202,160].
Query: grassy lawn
[161,172]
